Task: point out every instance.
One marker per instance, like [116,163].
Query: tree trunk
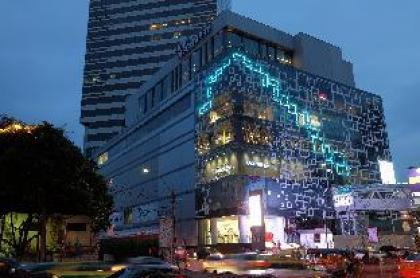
[43,237]
[2,226]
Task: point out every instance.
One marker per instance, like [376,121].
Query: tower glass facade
[127,42]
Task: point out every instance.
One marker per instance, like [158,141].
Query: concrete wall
[321,58]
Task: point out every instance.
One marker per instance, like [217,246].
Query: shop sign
[185,45]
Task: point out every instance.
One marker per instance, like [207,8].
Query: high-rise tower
[127,42]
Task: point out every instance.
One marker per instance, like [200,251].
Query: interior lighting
[334,159]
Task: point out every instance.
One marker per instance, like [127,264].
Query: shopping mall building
[242,135]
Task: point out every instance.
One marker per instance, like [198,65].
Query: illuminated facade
[251,129]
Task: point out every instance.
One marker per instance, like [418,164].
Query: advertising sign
[414,175]
[373,235]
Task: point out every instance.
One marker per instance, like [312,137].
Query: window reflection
[256,134]
[257,110]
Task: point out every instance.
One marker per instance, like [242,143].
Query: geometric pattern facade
[267,126]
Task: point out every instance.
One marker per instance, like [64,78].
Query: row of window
[190,65]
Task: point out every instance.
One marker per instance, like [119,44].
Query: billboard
[414,175]
[387,172]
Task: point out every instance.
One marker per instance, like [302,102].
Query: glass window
[251,46]
[263,50]
[179,77]
[218,43]
[155,97]
[271,53]
[258,111]
[196,60]
[233,40]
[255,134]
[186,70]
[280,55]
[204,55]
[167,86]
[210,49]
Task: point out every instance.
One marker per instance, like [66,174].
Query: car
[410,266]
[152,263]
[147,267]
[235,263]
[54,270]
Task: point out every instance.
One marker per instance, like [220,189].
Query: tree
[43,173]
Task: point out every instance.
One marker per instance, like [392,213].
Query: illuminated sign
[186,44]
[414,176]
[255,210]
[257,164]
[387,172]
[224,169]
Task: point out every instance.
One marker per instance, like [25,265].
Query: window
[258,111]
[218,44]
[128,216]
[145,106]
[155,26]
[210,49]
[76,227]
[159,88]
[102,159]
[196,60]
[251,46]
[255,134]
[271,53]
[186,71]
[155,97]
[167,82]
[263,51]
[233,40]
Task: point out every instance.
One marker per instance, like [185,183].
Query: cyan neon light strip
[333,159]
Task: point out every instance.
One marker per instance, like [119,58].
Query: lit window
[102,159]
[214,116]
[155,26]
[177,35]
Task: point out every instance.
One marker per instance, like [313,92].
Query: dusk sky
[42,45]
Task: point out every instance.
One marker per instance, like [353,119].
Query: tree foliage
[43,173]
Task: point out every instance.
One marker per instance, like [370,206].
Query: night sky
[42,45]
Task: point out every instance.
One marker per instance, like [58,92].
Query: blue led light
[333,159]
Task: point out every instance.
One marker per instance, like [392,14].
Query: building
[242,136]
[127,42]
